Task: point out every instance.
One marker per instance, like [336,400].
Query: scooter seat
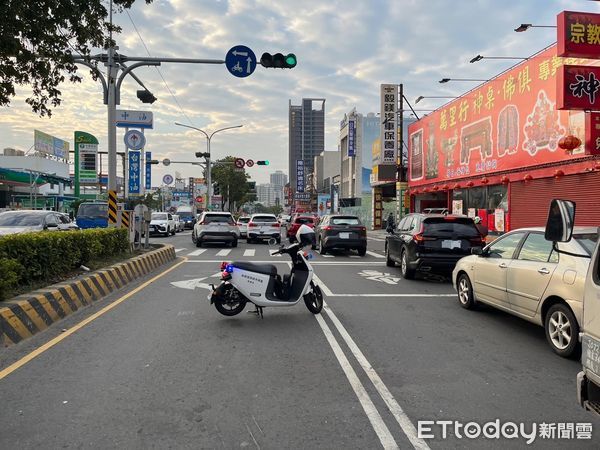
[267,269]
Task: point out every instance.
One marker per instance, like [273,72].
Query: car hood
[16,230]
[159,222]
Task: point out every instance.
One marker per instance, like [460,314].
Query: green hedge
[31,258]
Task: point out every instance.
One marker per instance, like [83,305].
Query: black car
[431,243]
[341,231]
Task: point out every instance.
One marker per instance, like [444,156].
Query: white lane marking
[312,263]
[383,433]
[391,295]
[177,250]
[396,410]
[327,256]
[197,252]
[376,255]
[249,252]
[224,252]
[322,285]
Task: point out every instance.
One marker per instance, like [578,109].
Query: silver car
[521,273]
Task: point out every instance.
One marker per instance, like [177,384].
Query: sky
[345,50]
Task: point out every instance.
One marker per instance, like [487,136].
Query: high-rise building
[279,178]
[265,194]
[306,138]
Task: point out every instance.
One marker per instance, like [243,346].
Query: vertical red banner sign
[592,133]
[578,87]
[578,34]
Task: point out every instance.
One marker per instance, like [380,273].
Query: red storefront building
[494,152]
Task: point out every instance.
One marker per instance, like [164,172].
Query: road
[162,369]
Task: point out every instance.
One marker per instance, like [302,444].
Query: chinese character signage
[86,158]
[578,87]
[389,130]
[299,175]
[148,172]
[578,34]
[510,122]
[351,137]
[44,143]
[134,172]
[592,133]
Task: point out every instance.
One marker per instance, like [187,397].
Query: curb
[28,314]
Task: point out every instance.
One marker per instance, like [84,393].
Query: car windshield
[587,241]
[92,210]
[264,219]
[214,218]
[441,226]
[345,221]
[20,219]
[159,216]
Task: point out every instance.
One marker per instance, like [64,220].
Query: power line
[157,69]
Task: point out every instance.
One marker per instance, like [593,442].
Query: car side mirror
[561,220]
[477,251]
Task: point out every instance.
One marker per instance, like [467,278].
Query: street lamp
[527,26]
[208,139]
[445,80]
[421,97]
[480,57]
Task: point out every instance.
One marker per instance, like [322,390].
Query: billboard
[389,130]
[509,122]
[86,158]
[578,88]
[578,34]
[299,175]
[44,143]
[351,137]
[323,204]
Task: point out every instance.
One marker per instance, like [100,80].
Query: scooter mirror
[272,242]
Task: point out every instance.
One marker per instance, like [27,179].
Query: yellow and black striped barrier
[125,219]
[28,314]
[112,208]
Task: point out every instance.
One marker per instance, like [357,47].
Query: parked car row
[23,221]
[165,224]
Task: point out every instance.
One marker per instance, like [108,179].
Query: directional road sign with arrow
[240,61]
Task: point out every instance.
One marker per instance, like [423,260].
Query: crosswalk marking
[197,252]
[177,250]
[376,255]
[249,252]
[224,252]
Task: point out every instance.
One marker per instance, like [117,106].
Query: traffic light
[146,96]
[262,163]
[216,189]
[202,155]
[278,61]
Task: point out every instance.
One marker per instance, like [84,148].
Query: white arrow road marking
[197,252]
[224,252]
[194,283]
[381,277]
[249,252]
[376,255]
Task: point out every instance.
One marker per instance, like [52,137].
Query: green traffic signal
[278,61]
[291,61]
[262,163]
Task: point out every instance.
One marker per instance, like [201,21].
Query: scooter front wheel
[229,302]
[314,299]
[230,308]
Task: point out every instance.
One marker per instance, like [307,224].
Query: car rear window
[221,218]
[305,220]
[345,221]
[587,241]
[264,219]
[244,219]
[452,226]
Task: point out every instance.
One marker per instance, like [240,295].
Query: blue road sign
[240,61]
[134,172]
[148,172]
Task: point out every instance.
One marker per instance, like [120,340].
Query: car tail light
[419,238]
[478,241]
[327,228]
[363,231]
[252,224]
[449,218]
[276,225]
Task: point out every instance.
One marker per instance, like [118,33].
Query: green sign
[86,160]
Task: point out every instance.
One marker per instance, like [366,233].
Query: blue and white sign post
[299,175]
[240,61]
[134,172]
[351,138]
[148,172]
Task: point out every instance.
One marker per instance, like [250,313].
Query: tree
[233,184]
[38,39]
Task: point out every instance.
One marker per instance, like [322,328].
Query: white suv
[263,226]
[162,223]
[216,227]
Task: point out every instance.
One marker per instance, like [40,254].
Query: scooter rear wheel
[314,299]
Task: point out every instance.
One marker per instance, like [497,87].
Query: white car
[24,221]
[216,227]
[243,225]
[263,226]
[162,223]
[521,273]
[178,223]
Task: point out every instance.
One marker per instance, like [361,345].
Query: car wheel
[278,240]
[193,237]
[406,272]
[198,243]
[234,243]
[465,292]
[562,330]
[388,261]
[167,233]
[362,251]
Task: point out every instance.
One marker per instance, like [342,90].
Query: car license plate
[451,244]
[344,235]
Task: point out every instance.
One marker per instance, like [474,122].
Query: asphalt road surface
[163,369]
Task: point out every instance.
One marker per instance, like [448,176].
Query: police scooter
[260,284]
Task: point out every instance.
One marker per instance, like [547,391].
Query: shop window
[477,198]
[497,197]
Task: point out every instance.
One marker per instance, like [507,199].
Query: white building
[327,166]
[266,194]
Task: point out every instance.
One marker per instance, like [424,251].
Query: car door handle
[544,271]
[502,266]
